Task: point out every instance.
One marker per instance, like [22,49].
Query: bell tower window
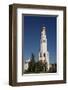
[43,40]
[44,54]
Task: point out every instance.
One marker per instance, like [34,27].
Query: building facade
[26,64]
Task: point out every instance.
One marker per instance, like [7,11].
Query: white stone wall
[26,66]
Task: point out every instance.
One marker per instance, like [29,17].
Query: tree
[32,64]
[33,58]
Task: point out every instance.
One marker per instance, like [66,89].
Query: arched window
[40,55]
[44,54]
[43,40]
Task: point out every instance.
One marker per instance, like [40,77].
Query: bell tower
[44,54]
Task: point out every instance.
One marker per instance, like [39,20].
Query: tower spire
[43,27]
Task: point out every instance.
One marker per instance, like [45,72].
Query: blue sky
[32,29]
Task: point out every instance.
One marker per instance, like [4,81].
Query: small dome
[44,27]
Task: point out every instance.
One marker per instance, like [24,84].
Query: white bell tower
[44,54]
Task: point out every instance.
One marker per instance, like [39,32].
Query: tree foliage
[38,67]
